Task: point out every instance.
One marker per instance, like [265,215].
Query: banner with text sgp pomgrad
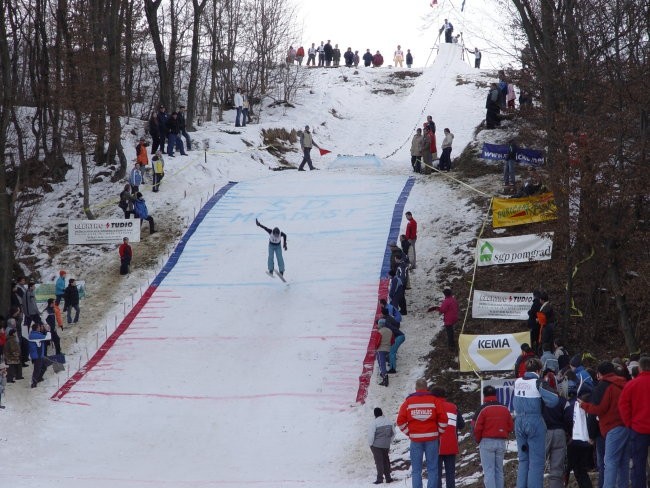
[515,249]
[496,352]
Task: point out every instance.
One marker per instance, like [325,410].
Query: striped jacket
[422,417]
[455,422]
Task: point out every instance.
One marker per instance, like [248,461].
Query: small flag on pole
[323,152]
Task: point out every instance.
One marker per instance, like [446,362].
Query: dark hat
[576,360]
[378,412]
[276,231]
[138,195]
[525,347]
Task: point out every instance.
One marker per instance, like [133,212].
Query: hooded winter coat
[609,390]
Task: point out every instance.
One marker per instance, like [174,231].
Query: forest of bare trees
[71,70]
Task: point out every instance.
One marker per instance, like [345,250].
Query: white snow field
[223,376]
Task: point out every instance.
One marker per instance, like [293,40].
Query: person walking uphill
[71,301]
[275,248]
[59,287]
[423,419]
[306,143]
[380,435]
[142,212]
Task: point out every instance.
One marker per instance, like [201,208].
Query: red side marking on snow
[369,360]
[208,397]
[106,346]
[83,404]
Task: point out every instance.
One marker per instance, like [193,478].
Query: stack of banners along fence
[501,305]
[103,231]
[496,352]
[499,152]
[517,249]
[505,388]
[507,212]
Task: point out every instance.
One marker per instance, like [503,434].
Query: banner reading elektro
[103,231]
[496,352]
[517,249]
[497,305]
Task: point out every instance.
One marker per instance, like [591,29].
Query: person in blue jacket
[530,430]
[59,287]
[399,338]
[136,178]
[37,339]
[141,212]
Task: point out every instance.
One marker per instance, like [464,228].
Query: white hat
[3,366]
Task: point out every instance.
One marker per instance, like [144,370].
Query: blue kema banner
[499,152]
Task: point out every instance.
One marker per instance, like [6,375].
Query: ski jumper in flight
[275,247]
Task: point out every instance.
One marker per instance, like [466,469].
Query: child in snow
[275,249]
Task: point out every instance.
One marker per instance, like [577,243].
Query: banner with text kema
[516,249]
[507,212]
[496,352]
[499,305]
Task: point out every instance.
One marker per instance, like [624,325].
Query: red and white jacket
[422,417]
[455,422]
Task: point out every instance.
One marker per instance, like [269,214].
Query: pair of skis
[276,273]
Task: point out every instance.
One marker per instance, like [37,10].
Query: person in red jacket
[492,424]
[126,253]
[634,408]
[520,363]
[449,439]
[412,236]
[423,419]
[604,404]
[449,310]
[377,60]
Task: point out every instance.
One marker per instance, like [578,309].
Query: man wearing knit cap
[380,435]
[59,287]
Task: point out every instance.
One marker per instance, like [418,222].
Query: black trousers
[416,162]
[382,462]
[39,370]
[306,158]
[449,330]
[579,460]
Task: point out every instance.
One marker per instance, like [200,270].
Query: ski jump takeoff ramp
[221,375]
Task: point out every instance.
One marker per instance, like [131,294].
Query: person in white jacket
[380,435]
[445,157]
[238,101]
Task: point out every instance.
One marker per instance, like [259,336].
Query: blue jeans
[381,360]
[244,112]
[530,431]
[171,143]
[617,463]
[449,461]
[509,171]
[393,350]
[492,452]
[276,249]
[417,451]
[237,123]
[639,444]
[188,140]
[76,315]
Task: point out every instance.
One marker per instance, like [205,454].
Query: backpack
[551,364]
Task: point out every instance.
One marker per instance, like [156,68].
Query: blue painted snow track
[393,233]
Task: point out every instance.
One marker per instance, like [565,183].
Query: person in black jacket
[367,58]
[162,128]
[329,52]
[173,136]
[71,298]
[409,58]
[533,326]
[154,132]
[349,57]
[492,119]
[182,126]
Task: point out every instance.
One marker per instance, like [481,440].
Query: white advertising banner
[517,249]
[496,352]
[505,388]
[103,231]
[497,305]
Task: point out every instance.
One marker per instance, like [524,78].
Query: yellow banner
[496,352]
[519,211]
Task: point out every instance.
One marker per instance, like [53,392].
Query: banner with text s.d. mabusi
[496,352]
[498,305]
[516,249]
[103,231]
[519,211]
